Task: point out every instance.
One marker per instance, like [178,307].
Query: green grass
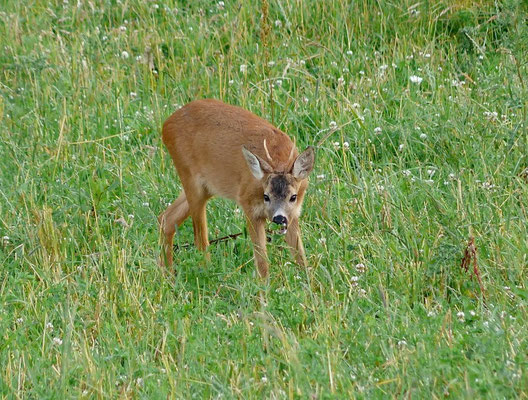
[85,311]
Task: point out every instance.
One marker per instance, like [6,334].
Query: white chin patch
[283,229]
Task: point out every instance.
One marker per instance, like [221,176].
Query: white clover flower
[472,313]
[321,177]
[356,105]
[333,124]
[139,381]
[452,176]
[125,54]
[354,280]
[431,172]
[5,239]
[429,181]
[19,320]
[57,341]
[361,268]
[402,343]
[427,55]
[401,147]
[278,23]
[361,72]
[231,81]
[461,316]
[415,79]
[133,95]
[383,67]
[377,130]
[278,82]
[423,136]
[431,314]
[491,115]
[123,28]
[341,81]
[145,204]
[346,145]
[271,63]
[243,68]
[406,172]
[221,4]
[49,326]
[349,52]
[264,379]
[337,145]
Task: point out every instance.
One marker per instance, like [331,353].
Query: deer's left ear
[304,163]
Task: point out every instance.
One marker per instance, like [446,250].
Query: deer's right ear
[256,165]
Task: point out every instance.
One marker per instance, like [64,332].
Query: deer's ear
[304,163]
[257,166]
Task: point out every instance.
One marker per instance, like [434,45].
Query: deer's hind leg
[171,218]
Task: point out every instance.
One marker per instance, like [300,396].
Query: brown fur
[205,140]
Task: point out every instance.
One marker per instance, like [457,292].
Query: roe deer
[223,150]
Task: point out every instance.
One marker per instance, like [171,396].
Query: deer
[226,151]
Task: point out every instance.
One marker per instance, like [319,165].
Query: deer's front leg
[293,238]
[257,232]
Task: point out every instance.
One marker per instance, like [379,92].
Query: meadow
[415,221]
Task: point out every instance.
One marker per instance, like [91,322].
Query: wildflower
[221,4]
[349,52]
[320,177]
[341,81]
[452,176]
[139,381]
[362,292]
[57,341]
[383,67]
[133,95]
[5,239]
[322,240]
[278,23]
[423,136]
[361,72]
[123,28]
[360,267]
[431,314]
[377,130]
[429,181]
[491,115]
[264,379]
[354,280]
[346,146]
[19,320]
[333,125]
[406,172]
[278,82]
[125,54]
[400,147]
[356,105]
[472,313]
[145,204]
[402,343]
[231,81]
[431,172]
[337,145]
[461,316]
[427,55]
[271,63]
[49,326]
[243,68]
[415,79]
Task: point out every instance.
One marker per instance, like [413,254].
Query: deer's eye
[293,198]
[266,198]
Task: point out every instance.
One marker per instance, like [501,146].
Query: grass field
[419,112]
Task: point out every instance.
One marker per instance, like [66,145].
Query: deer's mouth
[283,229]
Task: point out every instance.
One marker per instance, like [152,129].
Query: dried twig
[470,256]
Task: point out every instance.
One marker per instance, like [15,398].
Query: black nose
[280,219]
